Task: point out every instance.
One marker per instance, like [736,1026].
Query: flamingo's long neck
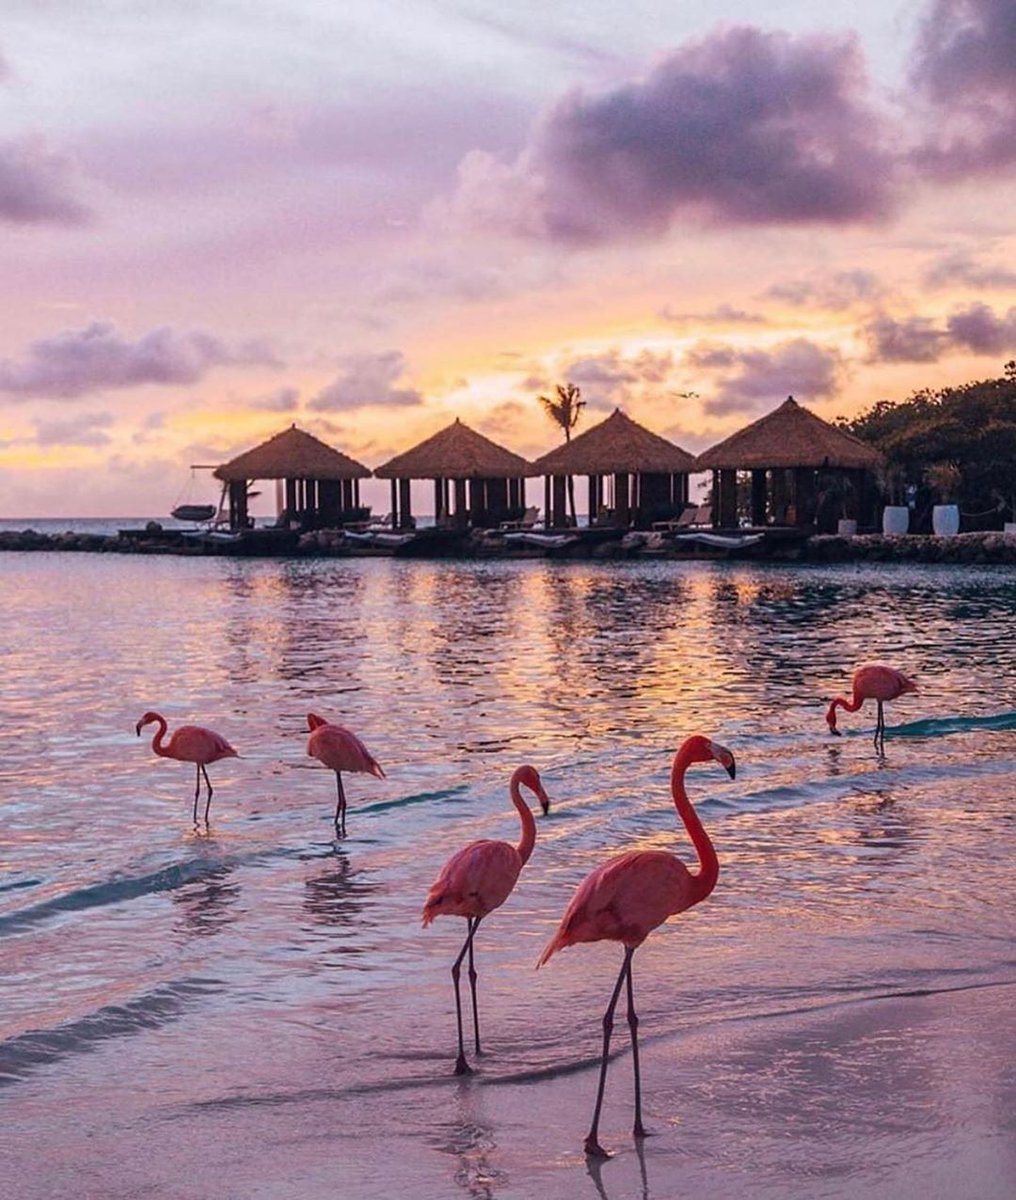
[525,846]
[709,864]
[851,705]
[160,733]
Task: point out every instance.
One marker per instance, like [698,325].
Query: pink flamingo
[478,879]
[874,682]
[190,743]
[341,750]
[627,897]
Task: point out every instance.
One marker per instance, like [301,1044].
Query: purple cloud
[85,430]
[835,293]
[367,379]
[742,126]
[283,400]
[798,367]
[964,65]
[722,314]
[37,186]
[961,267]
[80,361]
[978,329]
[914,339]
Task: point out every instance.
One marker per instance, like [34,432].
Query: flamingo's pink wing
[474,881]
[340,749]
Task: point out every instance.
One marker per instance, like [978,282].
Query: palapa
[456,452]
[789,436]
[291,454]
[617,444]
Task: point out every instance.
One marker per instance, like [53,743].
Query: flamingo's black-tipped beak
[834,731]
[545,805]
[731,768]
[137,728]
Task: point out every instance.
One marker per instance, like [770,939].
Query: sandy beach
[907,1096]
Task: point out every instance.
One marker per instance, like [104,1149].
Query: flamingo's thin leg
[340,807]
[208,802]
[880,728]
[593,1147]
[633,1025]
[472,988]
[197,789]
[461,1066]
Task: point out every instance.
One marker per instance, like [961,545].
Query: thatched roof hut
[649,474]
[796,460]
[321,484]
[489,481]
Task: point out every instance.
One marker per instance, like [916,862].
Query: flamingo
[478,879]
[873,682]
[190,743]
[628,896]
[338,748]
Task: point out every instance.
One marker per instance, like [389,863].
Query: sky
[222,217]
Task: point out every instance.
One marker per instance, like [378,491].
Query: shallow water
[150,968]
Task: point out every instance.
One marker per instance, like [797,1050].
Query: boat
[194,512]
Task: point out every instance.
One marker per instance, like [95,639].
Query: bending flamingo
[478,879]
[338,748]
[190,743]
[874,682]
[627,897]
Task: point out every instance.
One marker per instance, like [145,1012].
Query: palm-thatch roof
[789,436]
[617,445]
[292,454]
[456,452]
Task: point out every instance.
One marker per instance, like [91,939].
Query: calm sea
[152,972]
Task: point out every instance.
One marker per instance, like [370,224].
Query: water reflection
[470,1140]
[206,906]
[336,896]
[594,1169]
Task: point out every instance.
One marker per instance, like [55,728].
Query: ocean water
[159,980]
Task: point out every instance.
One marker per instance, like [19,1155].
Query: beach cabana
[476,482]
[803,471]
[645,476]
[318,487]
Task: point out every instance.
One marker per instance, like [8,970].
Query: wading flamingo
[874,682]
[340,750]
[625,899]
[190,743]
[478,879]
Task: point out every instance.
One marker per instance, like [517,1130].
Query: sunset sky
[220,217]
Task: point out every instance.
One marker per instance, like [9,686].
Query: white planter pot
[846,527]
[895,519]
[945,519]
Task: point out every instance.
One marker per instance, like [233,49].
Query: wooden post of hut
[758,496]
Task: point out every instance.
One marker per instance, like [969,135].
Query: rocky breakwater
[961,548]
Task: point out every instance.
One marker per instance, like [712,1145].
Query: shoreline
[755,1107]
[992,547]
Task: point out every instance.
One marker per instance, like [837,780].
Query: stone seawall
[963,548]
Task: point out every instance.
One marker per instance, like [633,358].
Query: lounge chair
[694,514]
[528,519]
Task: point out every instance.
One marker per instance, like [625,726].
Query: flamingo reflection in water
[626,898]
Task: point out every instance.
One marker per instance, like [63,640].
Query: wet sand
[911,1097]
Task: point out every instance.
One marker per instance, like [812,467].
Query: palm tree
[565,411]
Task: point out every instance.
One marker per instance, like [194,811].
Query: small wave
[439,797]
[939,726]
[112,891]
[23,1053]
